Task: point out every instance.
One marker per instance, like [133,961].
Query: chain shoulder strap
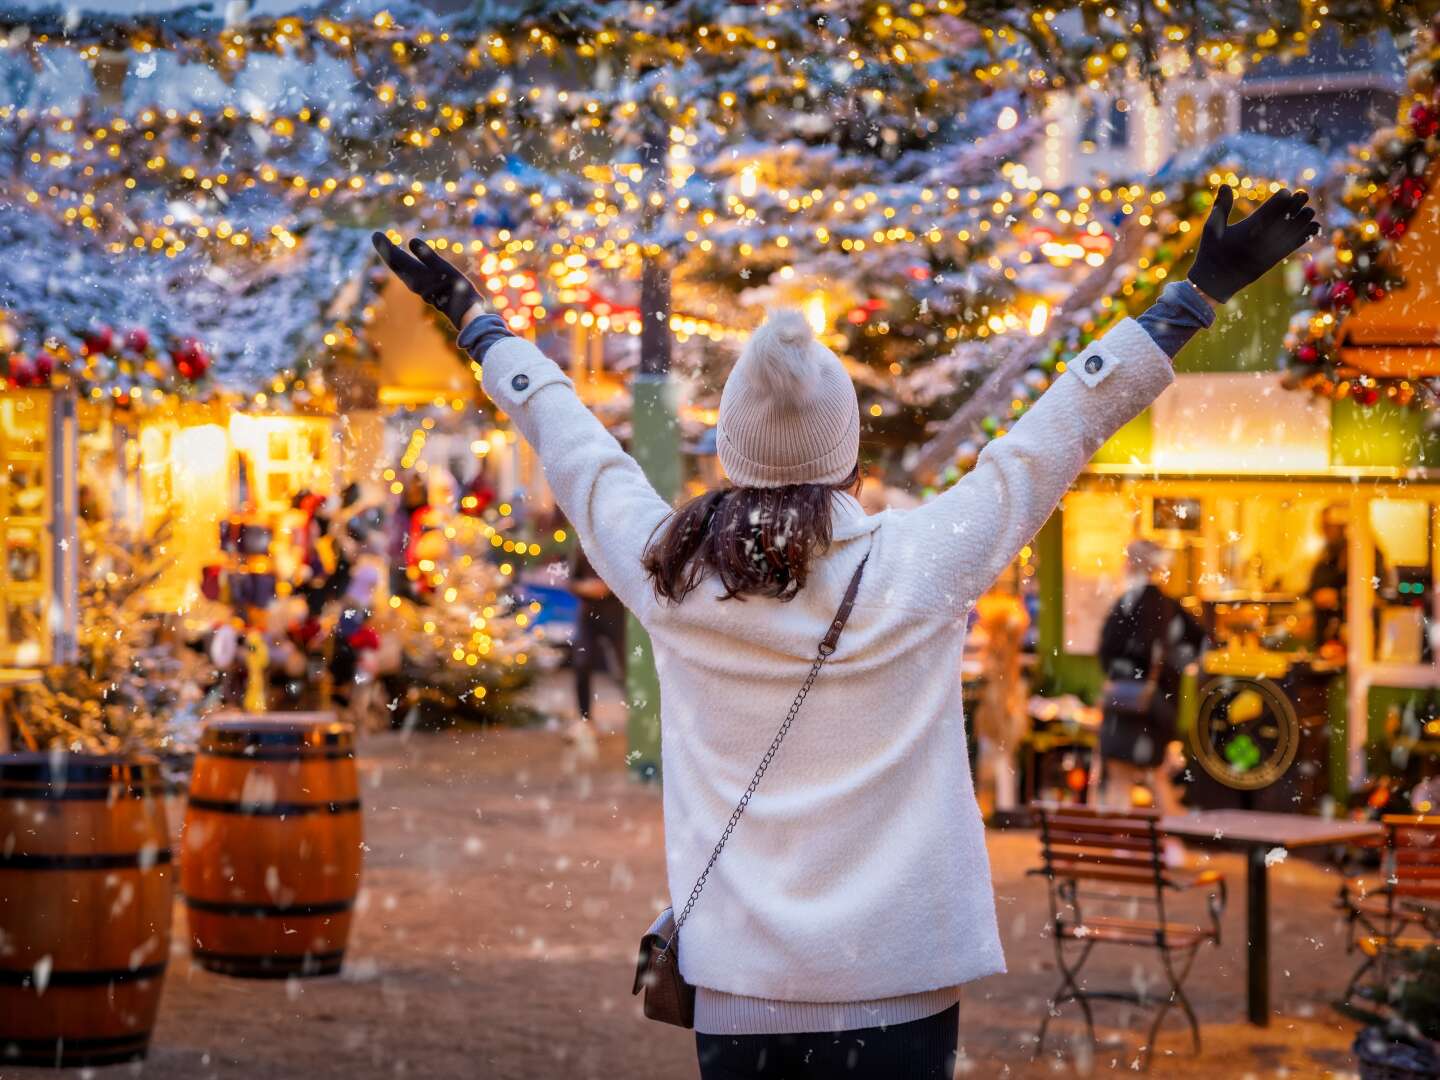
[826,648]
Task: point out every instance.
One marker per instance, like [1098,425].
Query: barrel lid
[298,733]
[67,768]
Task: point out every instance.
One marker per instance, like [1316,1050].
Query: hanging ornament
[22,370]
[138,340]
[1391,226]
[44,367]
[190,359]
[99,340]
[1408,193]
[1307,354]
[1424,120]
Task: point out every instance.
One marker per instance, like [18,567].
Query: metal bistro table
[1257,833]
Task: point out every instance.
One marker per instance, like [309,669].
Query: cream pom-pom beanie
[788,414]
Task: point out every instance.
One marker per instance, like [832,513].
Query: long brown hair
[756,541]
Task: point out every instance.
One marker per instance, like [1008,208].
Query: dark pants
[920,1050]
[599,643]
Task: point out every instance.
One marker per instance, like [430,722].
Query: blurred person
[1145,644]
[1000,715]
[1329,586]
[599,637]
[832,931]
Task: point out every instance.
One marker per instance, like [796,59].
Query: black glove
[1233,256]
[485,331]
[429,277]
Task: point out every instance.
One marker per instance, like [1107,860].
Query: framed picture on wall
[1168,515]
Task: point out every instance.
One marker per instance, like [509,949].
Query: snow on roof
[256,319]
[1288,160]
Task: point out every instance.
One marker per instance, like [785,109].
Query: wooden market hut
[1237,476]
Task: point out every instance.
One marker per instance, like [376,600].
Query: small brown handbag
[668,997]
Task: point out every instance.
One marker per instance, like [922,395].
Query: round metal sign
[1246,734]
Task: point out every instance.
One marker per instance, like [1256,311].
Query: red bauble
[137,340]
[190,359]
[1367,395]
[1424,120]
[22,370]
[1409,192]
[99,340]
[1375,292]
[1391,227]
[1312,272]
[1307,354]
[1342,295]
[364,638]
[44,367]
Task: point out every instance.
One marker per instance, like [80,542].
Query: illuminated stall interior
[1244,483]
[34,460]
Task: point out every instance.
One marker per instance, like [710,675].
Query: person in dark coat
[1147,636]
[599,635]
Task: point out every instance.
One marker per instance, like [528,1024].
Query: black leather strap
[847,605]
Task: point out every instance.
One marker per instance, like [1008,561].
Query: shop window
[1185,121]
[1119,123]
[1089,126]
[25,569]
[1217,116]
[1402,579]
[285,455]
[1096,527]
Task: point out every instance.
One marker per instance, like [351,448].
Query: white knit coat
[859,870]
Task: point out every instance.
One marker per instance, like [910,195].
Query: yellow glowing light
[747,182]
[1039,318]
[815,313]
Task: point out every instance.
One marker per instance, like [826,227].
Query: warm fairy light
[815,313]
[747,182]
[1039,317]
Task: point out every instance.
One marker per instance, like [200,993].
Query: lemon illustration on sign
[1245,707]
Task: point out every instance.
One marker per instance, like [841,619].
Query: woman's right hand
[431,278]
[1234,256]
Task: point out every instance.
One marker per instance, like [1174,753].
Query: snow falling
[328,747]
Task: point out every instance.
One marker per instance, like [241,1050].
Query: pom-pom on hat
[788,414]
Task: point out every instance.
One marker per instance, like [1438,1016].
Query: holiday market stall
[1299,528]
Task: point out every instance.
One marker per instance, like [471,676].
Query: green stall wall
[1383,434]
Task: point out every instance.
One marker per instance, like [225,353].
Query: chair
[1102,858]
[1398,911]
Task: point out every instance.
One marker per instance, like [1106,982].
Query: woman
[855,897]
[1145,644]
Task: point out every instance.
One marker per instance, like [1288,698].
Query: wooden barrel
[86,891]
[272,847]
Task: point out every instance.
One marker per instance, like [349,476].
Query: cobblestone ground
[508,879]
